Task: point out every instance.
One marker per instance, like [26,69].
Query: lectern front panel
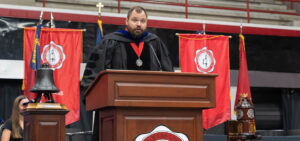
[44,125]
[52,128]
[133,122]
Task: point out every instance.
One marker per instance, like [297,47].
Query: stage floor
[211,137]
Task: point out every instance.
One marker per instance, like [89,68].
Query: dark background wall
[264,53]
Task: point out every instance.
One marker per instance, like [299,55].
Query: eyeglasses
[25,104]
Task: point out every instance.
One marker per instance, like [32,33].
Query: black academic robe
[115,52]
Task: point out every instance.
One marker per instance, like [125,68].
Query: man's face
[137,24]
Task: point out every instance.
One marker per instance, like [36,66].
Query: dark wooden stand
[44,124]
[131,103]
[233,135]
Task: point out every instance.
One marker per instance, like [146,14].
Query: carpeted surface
[210,137]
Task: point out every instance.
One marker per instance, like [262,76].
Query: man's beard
[134,34]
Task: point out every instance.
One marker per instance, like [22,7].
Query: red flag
[61,49]
[209,54]
[243,86]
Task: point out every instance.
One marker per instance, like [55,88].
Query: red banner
[61,49]
[209,54]
[243,86]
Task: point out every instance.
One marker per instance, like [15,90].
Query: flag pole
[241,28]
[100,6]
[204,28]
[37,42]
[52,25]
[41,16]
[99,22]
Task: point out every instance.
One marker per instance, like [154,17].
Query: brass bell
[44,83]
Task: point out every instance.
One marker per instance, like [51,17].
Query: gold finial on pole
[100,6]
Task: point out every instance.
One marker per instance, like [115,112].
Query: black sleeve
[7,125]
[99,59]
[164,56]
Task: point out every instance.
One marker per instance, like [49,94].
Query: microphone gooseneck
[155,56]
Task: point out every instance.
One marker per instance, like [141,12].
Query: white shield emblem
[53,55]
[162,133]
[205,60]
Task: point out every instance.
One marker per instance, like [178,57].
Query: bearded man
[130,49]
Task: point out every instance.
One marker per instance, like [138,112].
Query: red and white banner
[243,86]
[61,50]
[209,54]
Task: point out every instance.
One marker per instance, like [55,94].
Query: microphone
[155,56]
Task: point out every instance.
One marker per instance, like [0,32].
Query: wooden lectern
[133,103]
[42,124]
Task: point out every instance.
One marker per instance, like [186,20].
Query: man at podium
[130,49]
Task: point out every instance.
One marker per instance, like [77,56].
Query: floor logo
[205,60]
[162,133]
[53,55]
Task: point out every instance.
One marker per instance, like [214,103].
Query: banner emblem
[205,60]
[53,55]
[162,133]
